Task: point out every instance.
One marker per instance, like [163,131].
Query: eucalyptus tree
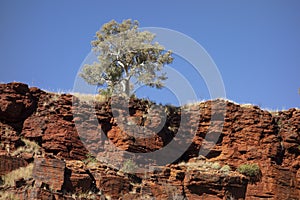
[126,56]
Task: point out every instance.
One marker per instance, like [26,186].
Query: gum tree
[126,57]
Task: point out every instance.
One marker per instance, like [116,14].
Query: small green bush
[225,169]
[129,166]
[215,165]
[251,170]
[89,159]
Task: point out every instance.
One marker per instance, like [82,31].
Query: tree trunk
[127,87]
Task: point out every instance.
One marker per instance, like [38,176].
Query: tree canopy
[126,57]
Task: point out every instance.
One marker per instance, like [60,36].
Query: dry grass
[30,147]
[91,97]
[7,195]
[146,197]
[276,111]
[53,97]
[206,166]
[247,105]
[6,131]
[51,100]
[22,172]
[86,195]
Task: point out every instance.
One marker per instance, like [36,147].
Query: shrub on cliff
[129,166]
[225,169]
[251,170]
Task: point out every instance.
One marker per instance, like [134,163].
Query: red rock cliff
[63,169]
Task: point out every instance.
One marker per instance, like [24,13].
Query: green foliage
[129,166]
[124,53]
[105,92]
[225,169]
[251,170]
[215,165]
[89,159]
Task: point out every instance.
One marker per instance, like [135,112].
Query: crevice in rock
[264,196]
[67,185]
[93,188]
[278,159]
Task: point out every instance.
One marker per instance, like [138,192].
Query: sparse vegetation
[84,195]
[8,195]
[206,165]
[30,147]
[247,105]
[52,98]
[251,170]
[275,111]
[225,169]
[23,172]
[172,192]
[90,159]
[215,165]
[100,98]
[6,131]
[129,166]
[188,106]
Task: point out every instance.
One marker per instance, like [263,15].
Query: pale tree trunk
[127,83]
[127,87]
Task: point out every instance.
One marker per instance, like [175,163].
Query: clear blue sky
[255,44]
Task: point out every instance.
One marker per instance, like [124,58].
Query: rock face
[51,126]
[9,164]
[17,103]
[199,139]
[49,173]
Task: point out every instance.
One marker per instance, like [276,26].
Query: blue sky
[255,44]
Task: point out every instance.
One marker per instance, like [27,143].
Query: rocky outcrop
[49,173]
[78,178]
[17,103]
[9,163]
[73,133]
[51,126]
